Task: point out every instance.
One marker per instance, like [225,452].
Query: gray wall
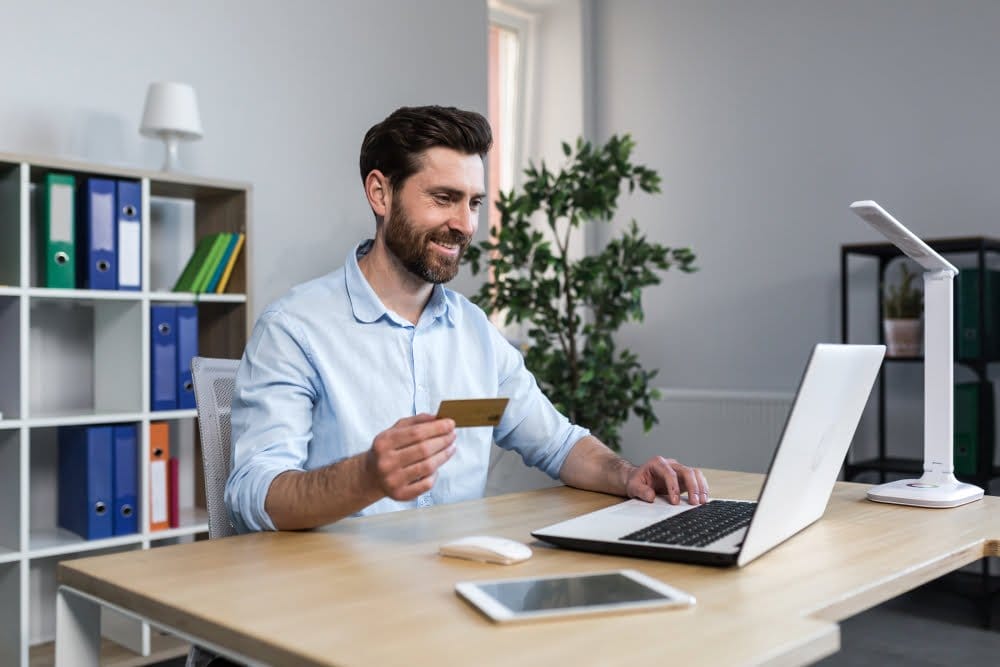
[766,119]
[286,91]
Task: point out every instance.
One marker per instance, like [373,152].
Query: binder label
[102,208]
[128,263]
[61,218]
[158,490]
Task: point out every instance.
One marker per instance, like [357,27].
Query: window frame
[524,25]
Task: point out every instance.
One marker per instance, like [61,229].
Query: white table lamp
[937,487]
[171,114]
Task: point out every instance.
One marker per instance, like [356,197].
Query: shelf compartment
[895,464]
[10,357]
[46,538]
[171,240]
[192,517]
[38,173]
[10,491]
[43,583]
[163,647]
[10,613]
[222,330]
[180,218]
[10,224]
[888,464]
[85,356]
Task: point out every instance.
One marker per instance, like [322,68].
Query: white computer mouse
[487,549]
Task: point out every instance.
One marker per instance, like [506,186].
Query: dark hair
[394,146]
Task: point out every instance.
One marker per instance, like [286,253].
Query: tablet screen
[537,594]
[548,596]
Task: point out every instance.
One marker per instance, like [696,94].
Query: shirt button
[424,501]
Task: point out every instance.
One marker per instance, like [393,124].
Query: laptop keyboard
[697,527]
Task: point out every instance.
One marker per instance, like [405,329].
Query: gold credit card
[473,411]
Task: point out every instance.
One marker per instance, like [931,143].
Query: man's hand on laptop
[669,478]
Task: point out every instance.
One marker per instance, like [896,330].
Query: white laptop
[821,423]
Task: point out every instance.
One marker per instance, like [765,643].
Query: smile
[450,248]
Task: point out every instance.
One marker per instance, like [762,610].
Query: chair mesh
[214,382]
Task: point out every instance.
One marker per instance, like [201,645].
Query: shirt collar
[369,308]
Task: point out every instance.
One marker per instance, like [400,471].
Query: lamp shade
[171,108]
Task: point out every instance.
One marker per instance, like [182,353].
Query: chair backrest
[214,381]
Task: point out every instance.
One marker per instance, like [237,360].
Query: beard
[412,248]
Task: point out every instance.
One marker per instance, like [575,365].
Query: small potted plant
[902,323]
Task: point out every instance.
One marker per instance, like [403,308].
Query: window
[511,39]
[510,35]
[503,98]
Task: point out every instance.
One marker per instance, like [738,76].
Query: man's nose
[465,220]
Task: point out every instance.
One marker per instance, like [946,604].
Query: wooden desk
[374,591]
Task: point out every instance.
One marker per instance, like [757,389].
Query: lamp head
[901,237]
[171,108]
[171,114]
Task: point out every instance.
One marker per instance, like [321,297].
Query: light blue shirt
[328,367]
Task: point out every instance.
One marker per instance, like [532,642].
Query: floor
[937,625]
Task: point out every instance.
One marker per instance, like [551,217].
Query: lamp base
[932,490]
[170,142]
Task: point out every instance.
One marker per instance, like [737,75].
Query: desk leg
[78,630]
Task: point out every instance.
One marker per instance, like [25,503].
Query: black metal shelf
[884,253]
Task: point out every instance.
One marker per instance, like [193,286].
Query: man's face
[432,218]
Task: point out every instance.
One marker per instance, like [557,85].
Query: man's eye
[476,204]
[442,199]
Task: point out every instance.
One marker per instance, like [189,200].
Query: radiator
[734,430]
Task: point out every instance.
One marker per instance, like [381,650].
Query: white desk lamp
[171,114]
[937,487]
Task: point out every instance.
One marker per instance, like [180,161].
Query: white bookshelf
[79,357]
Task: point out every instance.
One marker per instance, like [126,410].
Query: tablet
[537,598]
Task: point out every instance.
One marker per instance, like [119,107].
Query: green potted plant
[572,308]
[903,306]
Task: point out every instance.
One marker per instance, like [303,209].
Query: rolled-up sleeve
[271,417]
[531,425]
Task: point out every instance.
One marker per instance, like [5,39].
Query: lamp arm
[939,371]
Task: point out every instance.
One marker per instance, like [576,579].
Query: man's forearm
[592,466]
[299,500]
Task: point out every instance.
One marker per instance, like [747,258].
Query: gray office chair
[214,381]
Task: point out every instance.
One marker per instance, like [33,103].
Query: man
[333,409]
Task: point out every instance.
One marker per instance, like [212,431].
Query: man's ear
[377,192]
